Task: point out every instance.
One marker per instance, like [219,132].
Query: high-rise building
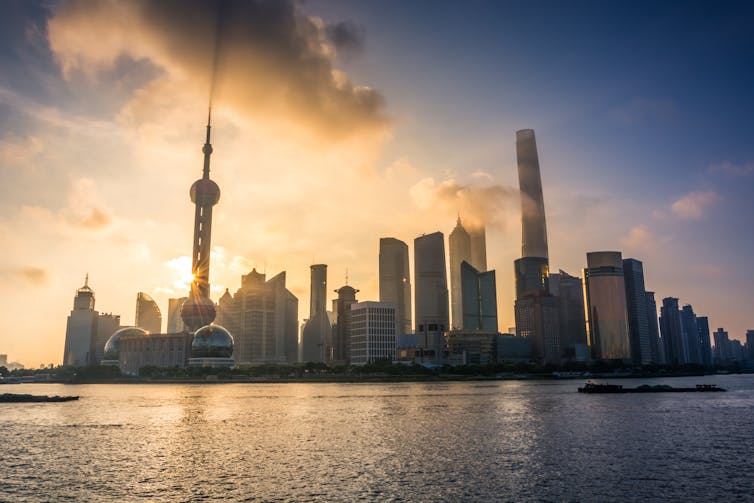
[317,329]
[395,280]
[691,335]
[478,247]
[569,292]
[81,328]
[479,299]
[148,316]
[636,304]
[431,284]
[199,310]
[607,315]
[537,319]
[702,323]
[263,318]
[340,353]
[459,251]
[656,343]
[372,332]
[749,344]
[723,352]
[175,323]
[676,347]
[534,230]
[536,310]
[107,325]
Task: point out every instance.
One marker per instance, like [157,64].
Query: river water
[470,441]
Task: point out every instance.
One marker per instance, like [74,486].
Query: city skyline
[97,156]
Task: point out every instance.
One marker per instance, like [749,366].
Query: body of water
[470,441]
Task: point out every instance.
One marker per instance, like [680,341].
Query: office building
[459,251]
[395,280]
[318,328]
[430,282]
[148,314]
[340,352]
[479,299]
[81,328]
[372,332]
[175,323]
[607,316]
[107,325]
[636,305]
[478,238]
[537,320]
[750,345]
[263,317]
[569,292]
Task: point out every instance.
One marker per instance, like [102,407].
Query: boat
[25,398]
[591,387]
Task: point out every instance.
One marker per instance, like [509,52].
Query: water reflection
[402,441]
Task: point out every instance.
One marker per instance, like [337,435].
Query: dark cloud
[346,36]
[34,275]
[273,62]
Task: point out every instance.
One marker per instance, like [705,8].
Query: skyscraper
[702,323]
[81,328]
[395,280]
[569,292]
[533,228]
[656,344]
[175,323]
[606,306]
[691,335]
[478,247]
[479,296]
[459,251]
[148,316]
[536,310]
[431,284]
[341,331]
[263,318]
[636,303]
[199,310]
[107,325]
[317,328]
[676,348]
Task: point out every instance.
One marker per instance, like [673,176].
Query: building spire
[207,149]
[86,281]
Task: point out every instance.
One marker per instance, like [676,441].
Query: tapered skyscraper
[459,249]
[533,228]
[318,326]
[199,310]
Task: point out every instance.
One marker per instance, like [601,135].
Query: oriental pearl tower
[211,343]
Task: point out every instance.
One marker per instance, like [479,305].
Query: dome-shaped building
[212,346]
[112,346]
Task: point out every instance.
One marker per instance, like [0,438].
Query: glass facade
[606,306]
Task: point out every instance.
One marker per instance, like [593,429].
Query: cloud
[346,36]
[641,110]
[84,208]
[638,238]
[478,205]
[692,205]
[34,275]
[272,62]
[732,169]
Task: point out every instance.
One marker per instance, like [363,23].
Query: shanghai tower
[534,231]
[199,310]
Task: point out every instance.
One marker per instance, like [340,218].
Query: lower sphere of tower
[197,312]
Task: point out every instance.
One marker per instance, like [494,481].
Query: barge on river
[645,388]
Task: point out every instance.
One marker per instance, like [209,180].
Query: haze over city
[337,123]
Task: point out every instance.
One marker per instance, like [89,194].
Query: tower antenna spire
[86,280]
[207,149]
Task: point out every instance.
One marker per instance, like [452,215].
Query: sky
[336,123]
